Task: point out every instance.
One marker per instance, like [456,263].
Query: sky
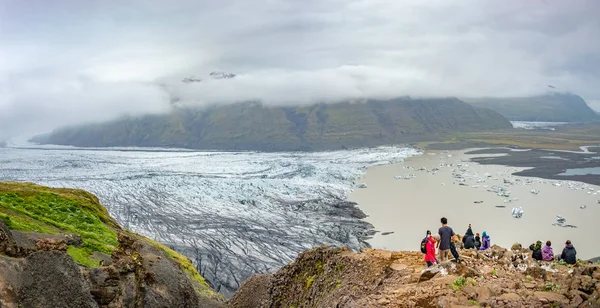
[66,62]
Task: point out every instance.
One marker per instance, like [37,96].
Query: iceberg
[517,212]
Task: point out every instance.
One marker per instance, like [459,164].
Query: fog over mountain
[73,62]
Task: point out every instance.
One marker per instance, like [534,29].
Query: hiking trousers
[444,254]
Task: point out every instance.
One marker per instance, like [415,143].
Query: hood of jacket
[570,246]
[469,232]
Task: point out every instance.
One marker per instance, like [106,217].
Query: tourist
[469,239]
[569,254]
[547,253]
[486,241]
[430,247]
[477,241]
[537,250]
[446,233]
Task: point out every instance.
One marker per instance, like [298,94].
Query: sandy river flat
[409,207]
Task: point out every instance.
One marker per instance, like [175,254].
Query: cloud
[76,61]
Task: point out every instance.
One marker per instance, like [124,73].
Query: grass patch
[82,256]
[494,272]
[551,287]
[474,302]
[203,289]
[72,211]
[309,282]
[17,223]
[459,283]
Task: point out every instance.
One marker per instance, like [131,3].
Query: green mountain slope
[252,126]
[555,107]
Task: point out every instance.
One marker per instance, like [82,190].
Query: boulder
[550,297]
[53,279]
[516,247]
[510,297]
[48,244]
[429,273]
[7,242]
[253,293]
[536,272]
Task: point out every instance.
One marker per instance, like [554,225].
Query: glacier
[234,214]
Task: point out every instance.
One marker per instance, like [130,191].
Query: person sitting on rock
[477,241]
[430,255]
[537,250]
[469,239]
[547,253]
[569,254]
[486,244]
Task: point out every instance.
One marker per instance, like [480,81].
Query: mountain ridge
[253,126]
[550,107]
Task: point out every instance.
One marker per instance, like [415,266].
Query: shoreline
[409,207]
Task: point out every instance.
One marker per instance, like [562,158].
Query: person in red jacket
[430,247]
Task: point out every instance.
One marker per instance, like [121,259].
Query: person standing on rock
[430,255]
[569,254]
[547,253]
[446,233]
[469,239]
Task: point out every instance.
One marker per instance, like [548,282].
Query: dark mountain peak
[221,75]
[191,79]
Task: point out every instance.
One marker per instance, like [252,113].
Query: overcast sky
[64,62]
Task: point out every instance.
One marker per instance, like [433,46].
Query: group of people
[569,254]
[444,242]
[474,241]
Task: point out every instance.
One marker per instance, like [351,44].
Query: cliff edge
[337,277]
[60,248]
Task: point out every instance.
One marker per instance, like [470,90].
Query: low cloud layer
[77,61]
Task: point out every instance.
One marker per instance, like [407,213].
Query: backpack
[424,245]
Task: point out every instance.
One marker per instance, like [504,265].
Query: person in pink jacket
[547,253]
[430,255]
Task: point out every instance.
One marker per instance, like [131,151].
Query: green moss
[309,281]
[14,222]
[203,289]
[459,283]
[82,256]
[550,287]
[72,211]
[474,302]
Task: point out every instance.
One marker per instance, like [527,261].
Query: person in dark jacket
[477,241]
[453,249]
[469,239]
[569,254]
[537,251]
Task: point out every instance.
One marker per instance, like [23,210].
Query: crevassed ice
[233,213]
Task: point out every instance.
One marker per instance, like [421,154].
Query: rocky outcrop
[141,275]
[64,269]
[337,277]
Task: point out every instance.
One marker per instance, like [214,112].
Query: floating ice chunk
[517,212]
[362,185]
[534,191]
